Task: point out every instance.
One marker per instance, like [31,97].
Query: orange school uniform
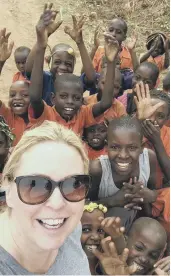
[18,77]
[83,118]
[116,110]
[159,61]
[94,154]
[16,123]
[125,59]
[161,208]
[165,137]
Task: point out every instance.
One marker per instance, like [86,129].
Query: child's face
[96,136]
[68,100]
[3,147]
[19,98]
[161,114]
[20,60]
[143,74]
[124,149]
[116,29]
[117,82]
[92,232]
[159,49]
[145,249]
[62,62]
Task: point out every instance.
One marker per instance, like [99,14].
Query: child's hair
[6,130]
[71,78]
[153,67]
[60,47]
[151,38]
[159,94]
[91,206]
[126,122]
[166,82]
[123,22]
[22,49]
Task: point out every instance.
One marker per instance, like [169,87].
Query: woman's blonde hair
[48,131]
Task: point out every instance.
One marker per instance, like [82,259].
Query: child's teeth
[123,165]
[91,247]
[69,109]
[96,140]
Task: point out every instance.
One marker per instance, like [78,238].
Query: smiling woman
[46,182]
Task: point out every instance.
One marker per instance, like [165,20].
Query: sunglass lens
[75,188]
[34,190]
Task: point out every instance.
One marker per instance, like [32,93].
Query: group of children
[124,124]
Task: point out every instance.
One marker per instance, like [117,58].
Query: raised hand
[76,32]
[131,43]
[96,37]
[112,226]
[145,109]
[5,47]
[162,267]
[111,47]
[46,25]
[111,262]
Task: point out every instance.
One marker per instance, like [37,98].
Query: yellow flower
[71,52]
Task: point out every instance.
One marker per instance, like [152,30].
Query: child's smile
[96,136]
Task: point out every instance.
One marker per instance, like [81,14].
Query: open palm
[5,48]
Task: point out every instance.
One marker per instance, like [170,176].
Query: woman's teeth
[52,223]
[91,247]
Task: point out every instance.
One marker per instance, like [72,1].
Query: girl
[95,138]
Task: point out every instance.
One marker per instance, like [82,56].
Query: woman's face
[55,161]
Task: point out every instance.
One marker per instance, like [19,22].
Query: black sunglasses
[35,189]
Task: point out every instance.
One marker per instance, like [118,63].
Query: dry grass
[142,16]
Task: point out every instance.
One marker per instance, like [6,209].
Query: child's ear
[53,98]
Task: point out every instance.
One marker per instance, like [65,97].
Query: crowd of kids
[125,127]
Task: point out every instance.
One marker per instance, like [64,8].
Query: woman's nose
[56,200]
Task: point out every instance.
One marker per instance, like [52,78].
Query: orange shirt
[161,208]
[125,59]
[116,110]
[18,77]
[94,154]
[159,61]
[165,137]
[84,118]
[16,123]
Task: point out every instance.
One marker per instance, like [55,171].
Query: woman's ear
[9,196]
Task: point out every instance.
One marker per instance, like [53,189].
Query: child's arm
[5,48]
[36,85]
[111,263]
[148,53]
[152,133]
[112,227]
[111,52]
[131,47]
[167,54]
[76,35]
[51,28]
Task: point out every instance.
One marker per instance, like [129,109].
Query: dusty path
[20,17]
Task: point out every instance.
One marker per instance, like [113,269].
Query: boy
[118,29]
[68,97]
[20,56]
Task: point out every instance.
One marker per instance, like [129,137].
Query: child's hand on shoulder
[112,263]
[5,47]
[76,32]
[112,226]
[111,47]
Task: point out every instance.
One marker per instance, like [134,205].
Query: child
[63,57]
[166,83]
[68,97]
[20,56]
[118,29]
[94,228]
[158,51]
[95,138]
[117,109]
[153,108]
[126,162]
[147,73]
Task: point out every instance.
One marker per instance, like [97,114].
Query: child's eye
[86,230]
[138,248]
[110,29]
[92,130]
[63,96]
[77,98]
[115,147]
[118,32]
[57,62]
[68,64]
[12,95]
[25,95]
[101,231]
[132,148]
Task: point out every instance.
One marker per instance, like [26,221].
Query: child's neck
[25,118]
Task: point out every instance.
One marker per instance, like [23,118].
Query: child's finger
[161,261]
[158,271]
[105,245]
[97,254]
[137,208]
[11,45]
[138,200]
[113,250]
[101,219]
[45,7]
[74,21]
[142,90]
[136,101]
[157,106]
[138,93]
[129,206]
[50,6]
[7,36]
[124,255]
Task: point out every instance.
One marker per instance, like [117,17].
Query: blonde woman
[46,182]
